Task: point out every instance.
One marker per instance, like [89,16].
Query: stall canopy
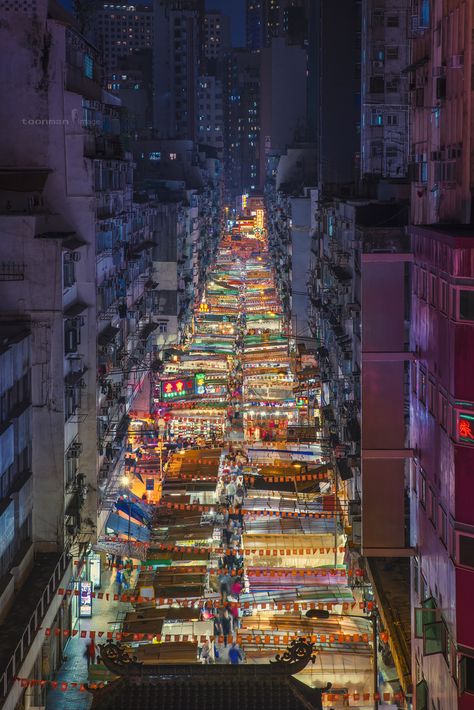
[126,526]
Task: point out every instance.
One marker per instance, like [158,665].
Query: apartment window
[443,411]
[433,290]
[423,283]
[432,507]
[391,151]
[421,694]
[72,335]
[88,66]
[465,550]
[376,149]
[443,527]
[432,398]
[376,85]
[422,488]
[424,14]
[378,18]
[443,297]
[466,305]
[422,386]
[376,118]
[414,377]
[392,119]
[392,86]
[392,52]
[69,270]
[72,401]
[465,672]
[393,21]
[415,575]
[162,327]
[414,477]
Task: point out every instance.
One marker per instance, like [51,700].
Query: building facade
[441,99]
[120,31]
[442,436]
[216,35]
[176,63]
[211,114]
[384,88]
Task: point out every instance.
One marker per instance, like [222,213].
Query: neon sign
[172,389]
[200,380]
[466,428]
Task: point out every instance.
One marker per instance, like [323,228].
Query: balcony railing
[33,623]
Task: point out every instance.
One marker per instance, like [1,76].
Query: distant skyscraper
[242,121]
[216,35]
[266,19]
[121,30]
[254,25]
[384,90]
[334,88]
[211,119]
[177,53]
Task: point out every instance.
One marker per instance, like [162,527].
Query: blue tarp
[133,510]
[124,526]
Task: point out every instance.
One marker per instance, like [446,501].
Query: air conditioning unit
[457,61]
[378,65]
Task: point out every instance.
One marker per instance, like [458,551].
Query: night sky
[235,9]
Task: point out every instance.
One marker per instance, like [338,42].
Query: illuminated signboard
[173,389]
[200,380]
[85,599]
[466,428]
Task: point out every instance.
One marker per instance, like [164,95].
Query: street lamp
[324,614]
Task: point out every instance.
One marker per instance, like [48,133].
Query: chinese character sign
[172,389]
[200,380]
[466,428]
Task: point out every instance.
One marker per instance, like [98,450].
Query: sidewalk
[74,668]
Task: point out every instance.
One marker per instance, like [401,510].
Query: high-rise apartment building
[216,35]
[267,19]
[441,135]
[334,82]
[441,338]
[121,30]
[282,100]
[242,121]
[384,88]
[211,116]
[176,62]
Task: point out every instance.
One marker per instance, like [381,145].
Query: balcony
[36,600]
[77,83]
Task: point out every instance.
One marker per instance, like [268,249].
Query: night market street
[227,538]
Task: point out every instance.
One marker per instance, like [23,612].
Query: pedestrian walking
[224,585]
[226,625]
[205,655]
[236,588]
[90,652]
[235,656]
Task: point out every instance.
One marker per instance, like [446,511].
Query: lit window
[88,66]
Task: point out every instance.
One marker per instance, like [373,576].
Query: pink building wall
[442,483]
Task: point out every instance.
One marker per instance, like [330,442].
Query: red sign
[171,389]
